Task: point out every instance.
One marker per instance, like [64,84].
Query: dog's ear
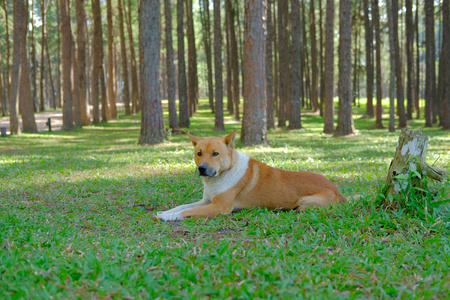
[194,139]
[229,139]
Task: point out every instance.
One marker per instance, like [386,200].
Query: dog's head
[213,156]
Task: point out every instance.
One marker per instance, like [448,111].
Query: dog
[233,180]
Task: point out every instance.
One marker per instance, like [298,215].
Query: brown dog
[232,180]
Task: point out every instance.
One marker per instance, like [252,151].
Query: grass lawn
[76,220]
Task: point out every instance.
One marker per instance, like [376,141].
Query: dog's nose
[202,169]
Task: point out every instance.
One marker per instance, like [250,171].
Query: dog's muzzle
[203,170]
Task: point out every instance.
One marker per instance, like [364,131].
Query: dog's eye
[199,153]
[215,153]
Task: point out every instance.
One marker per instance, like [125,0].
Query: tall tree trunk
[296,91]
[95,70]
[314,67]
[152,126]
[345,124]
[2,91]
[58,21]
[321,62]
[111,90]
[182,84]
[33,58]
[409,59]
[230,106]
[135,91]
[234,64]
[206,24]
[75,87]
[269,70]
[44,5]
[305,62]
[445,56]
[328,113]
[171,89]
[19,34]
[254,125]
[67,65]
[376,25]
[81,43]
[52,86]
[283,62]
[392,91]
[430,78]
[192,58]
[8,54]
[275,58]
[398,67]
[218,125]
[126,88]
[417,90]
[369,66]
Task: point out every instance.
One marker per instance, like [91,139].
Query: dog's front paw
[169,217]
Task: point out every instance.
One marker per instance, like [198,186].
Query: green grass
[76,220]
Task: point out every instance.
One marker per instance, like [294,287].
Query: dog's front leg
[174,214]
[222,204]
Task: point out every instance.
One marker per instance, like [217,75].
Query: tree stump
[409,157]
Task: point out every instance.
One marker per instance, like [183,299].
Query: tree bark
[58,78]
[8,54]
[152,126]
[67,65]
[75,87]
[111,90]
[409,60]
[44,5]
[254,125]
[218,125]
[379,83]
[171,88]
[207,43]
[314,67]
[430,78]
[2,92]
[126,88]
[417,90]
[445,56]
[321,60]
[398,67]
[328,113]
[283,62]
[296,91]
[81,62]
[33,58]
[269,70]
[392,91]
[182,84]
[96,60]
[234,65]
[345,124]
[410,156]
[135,91]
[369,66]
[19,34]
[192,59]
[230,106]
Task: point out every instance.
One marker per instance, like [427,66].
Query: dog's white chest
[228,179]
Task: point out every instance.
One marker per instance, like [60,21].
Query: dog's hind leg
[323,199]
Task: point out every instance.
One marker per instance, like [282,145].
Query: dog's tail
[340,196]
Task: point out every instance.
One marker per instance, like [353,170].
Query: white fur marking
[217,185]
[167,217]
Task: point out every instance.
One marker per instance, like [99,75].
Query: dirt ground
[41,119]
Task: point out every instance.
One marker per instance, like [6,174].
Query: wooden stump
[409,157]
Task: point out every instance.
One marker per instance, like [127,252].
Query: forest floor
[41,119]
[77,219]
